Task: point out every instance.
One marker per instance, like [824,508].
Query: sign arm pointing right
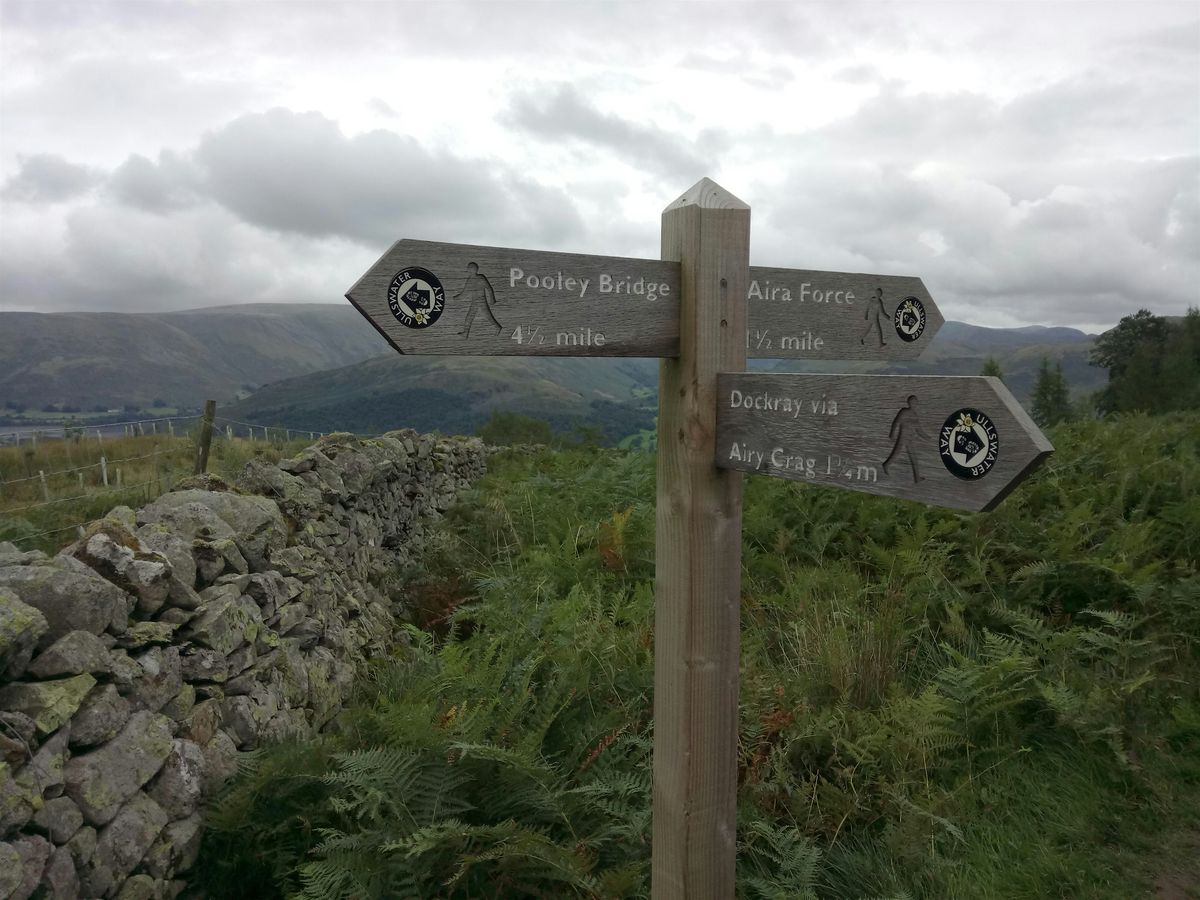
[957,441]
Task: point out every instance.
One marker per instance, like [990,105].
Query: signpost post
[951,441]
[698,556]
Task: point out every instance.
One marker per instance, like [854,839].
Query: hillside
[182,358]
[322,367]
[960,349]
[457,394]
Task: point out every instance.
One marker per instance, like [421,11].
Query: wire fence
[61,431]
[114,489]
[265,430]
[107,482]
[103,464]
[233,424]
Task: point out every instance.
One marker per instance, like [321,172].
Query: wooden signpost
[958,442]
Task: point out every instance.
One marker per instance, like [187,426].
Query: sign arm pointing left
[357,289]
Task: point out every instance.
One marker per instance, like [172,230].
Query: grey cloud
[169,184]
[1070,119]
[1171,46]
[622,34]
[1070,112]
[566,115]
[295,172]
[48,178]
[275,206]
[1008,210]
[121,258]
[1087,254]
[103,101]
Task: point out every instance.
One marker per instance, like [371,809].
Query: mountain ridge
[322,366]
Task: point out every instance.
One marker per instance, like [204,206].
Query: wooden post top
[707,194]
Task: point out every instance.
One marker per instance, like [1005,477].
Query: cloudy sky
[1035,163]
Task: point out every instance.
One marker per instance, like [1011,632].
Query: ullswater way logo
[416,297]
[909,319]
[969,444]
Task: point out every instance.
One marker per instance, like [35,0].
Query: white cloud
[1032,168]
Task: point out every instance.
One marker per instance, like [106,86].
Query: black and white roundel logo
[909,319]
[969,444]
[416,298]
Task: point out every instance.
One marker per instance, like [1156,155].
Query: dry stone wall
[135,664]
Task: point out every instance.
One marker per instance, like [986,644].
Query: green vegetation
[1153,364]
[13,413]
[138,470]
[1051,396]
[508,429]
[457,395]
[991,366]
[933,704]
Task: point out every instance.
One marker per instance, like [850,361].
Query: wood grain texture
[802,314]
[841,430]
[568,313]
[698,557]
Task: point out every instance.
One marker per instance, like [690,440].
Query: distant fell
[182,358]
[458,394]
[979,339]
[455,395]
[321,366]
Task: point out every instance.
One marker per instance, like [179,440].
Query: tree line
[1153,365]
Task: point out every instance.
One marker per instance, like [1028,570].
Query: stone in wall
[135,664]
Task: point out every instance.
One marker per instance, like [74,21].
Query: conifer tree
[991,366]
[1051,396]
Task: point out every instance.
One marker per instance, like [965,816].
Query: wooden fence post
[104,470]
[698,556]
[205,442]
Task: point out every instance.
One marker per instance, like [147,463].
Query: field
[44,514]
[933,704]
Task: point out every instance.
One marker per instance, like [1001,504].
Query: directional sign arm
[802,314]
[957,441]
[465,300]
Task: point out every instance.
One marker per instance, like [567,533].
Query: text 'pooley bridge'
[961,442]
